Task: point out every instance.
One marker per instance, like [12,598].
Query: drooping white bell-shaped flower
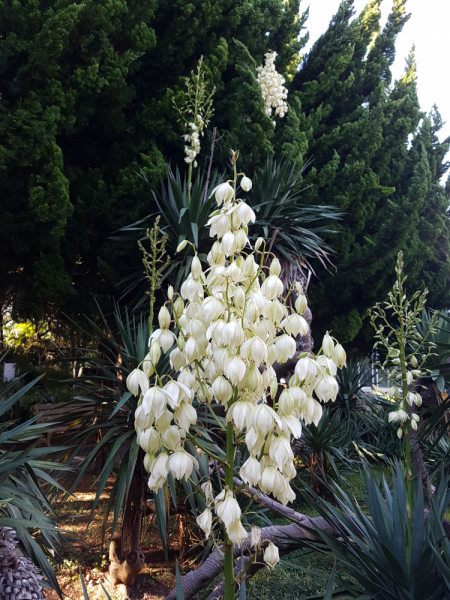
[250,472]
[149,440]
[181,464]
[271,555]
[137,382]
[223,193]
[204,521]
[306,370]
[236,532]
[235,369]
[228,509]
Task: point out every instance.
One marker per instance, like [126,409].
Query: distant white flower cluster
[193,138]
[273,90]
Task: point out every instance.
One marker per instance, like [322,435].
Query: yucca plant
[183,217]
[27,487]
[295,230]
[373,545]
[327,448]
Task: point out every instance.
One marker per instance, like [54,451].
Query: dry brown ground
[153,583]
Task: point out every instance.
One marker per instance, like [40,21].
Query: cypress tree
[357,128]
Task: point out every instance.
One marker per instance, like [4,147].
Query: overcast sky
[428,28]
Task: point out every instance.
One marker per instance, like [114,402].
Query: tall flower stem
[408,472]
[189,183]
[229,559]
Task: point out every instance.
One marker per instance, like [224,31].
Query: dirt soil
[153,583]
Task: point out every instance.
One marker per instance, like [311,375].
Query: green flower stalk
[406,351]
[196,112]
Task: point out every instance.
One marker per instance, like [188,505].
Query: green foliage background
[87,91]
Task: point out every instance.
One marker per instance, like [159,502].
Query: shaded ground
[153,583]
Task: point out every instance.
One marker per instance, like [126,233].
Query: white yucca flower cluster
[273,90]
[233,326]
[193,139]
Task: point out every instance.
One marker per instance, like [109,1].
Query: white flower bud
[272,287]
[216,254]
[204,521]
[413,361]
[170,292]
[147,365]
[196,268]
[254,440]
[240,239]
[258,243]
[409,377]
[262,418]
[295,325]
[142,420]
[163,422]
[271,555]
[177,359]
[273,387]
[275,267]
[251,312]
[246,184]
[239,298]
[164,317]
[155,352]
[272,481]
[178,307]
[280,451]
[182,245]
[232,334]
[328,345]
[301,304]
[338,355]
[275,311]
